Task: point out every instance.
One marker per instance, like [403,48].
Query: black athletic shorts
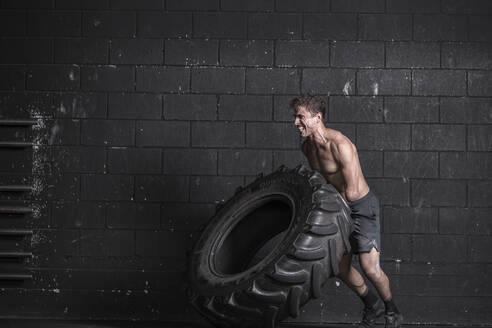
[365,216]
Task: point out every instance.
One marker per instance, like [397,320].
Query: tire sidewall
[292,185]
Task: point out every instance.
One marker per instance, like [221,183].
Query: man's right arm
[344,154]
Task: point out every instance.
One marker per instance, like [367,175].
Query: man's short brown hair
[314,104]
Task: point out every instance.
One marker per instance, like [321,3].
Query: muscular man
[333,155]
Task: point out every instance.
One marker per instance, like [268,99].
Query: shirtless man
[335,157]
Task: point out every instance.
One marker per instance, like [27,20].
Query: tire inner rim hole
[254,237]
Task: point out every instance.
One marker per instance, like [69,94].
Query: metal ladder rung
[15,144]
[15,232]
[15,188]
[15,210]
[15,276]
[15,254]
[19,122]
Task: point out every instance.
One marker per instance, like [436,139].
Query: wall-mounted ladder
[12,259]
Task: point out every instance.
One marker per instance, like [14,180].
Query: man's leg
[373,307]
[369,263]
[371,267]
[350,276]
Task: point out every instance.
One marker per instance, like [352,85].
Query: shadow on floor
[47,323]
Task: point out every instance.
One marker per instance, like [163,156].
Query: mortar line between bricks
[357,23]
[231,38]
[99,65]
[355,133]
[52,46]
[101,92]
[246,24]
[413,27]
[162,98]
[135,235]
[439,109]
[106,116]
[219,43]
[274,123]
[190,134]
[163,51]
[217,160]
[356,82]
[245,92]
[383,153]
[190,79]
[192,25]
[301,77]
[274,53]
[26,76]
[135,132]
[138,269]
[348,325]
[272,108]
[81,23]
[302,25]
[136,24]
[411,138]
[80,81]
[384,110]
[330,50]
[440,55]
[467,242]
[245,140]
[411,83]
[217,107]
[108,49]
[162,149]
[80,176]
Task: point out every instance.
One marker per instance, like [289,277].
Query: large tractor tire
[269,249]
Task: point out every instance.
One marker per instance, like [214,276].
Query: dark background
[150,112]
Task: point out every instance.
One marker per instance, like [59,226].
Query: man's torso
[322,159]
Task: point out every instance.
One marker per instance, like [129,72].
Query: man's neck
[320,135]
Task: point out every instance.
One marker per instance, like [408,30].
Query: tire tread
[297,275]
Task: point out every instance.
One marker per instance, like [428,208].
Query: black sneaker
[371,314]
[393,320]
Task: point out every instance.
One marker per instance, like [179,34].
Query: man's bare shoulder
[342,140]
[337,138]
[341,144]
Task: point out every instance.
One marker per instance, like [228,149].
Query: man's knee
[370,265]
[373,272]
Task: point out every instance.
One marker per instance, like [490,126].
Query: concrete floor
[44,323]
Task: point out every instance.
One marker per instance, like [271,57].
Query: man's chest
[322,160]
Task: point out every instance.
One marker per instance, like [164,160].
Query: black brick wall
[150,112]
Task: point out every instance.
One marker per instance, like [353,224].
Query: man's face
[305,121]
